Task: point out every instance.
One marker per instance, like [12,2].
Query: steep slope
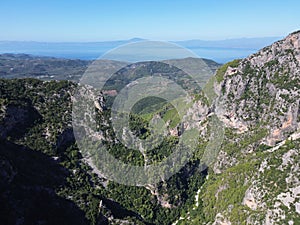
[35,116]
[35,119]
[268,82]
[255,179]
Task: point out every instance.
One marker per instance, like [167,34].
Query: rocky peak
[263,90]
[258,101]
[291,44]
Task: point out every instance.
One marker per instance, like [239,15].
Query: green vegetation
[272,63]
[148,105]
[227,189]
[45,177]
[221,71]
[233,147]
[46,68]
[283,81]
[49,133]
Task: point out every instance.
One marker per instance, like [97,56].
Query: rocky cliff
[255,178]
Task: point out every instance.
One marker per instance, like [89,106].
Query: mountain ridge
[254,179]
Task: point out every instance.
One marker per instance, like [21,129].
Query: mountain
[254,178]
[250,43]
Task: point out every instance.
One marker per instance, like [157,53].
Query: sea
[92,51]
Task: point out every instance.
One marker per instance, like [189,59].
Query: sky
[103,20]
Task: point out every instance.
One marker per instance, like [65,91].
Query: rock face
[249,200]
[258,102]
[220,220]
[264,89]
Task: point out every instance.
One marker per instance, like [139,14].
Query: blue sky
[99,20]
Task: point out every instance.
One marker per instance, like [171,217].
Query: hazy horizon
[220,51]
[141,39]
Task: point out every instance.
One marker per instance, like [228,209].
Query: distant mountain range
[218,50]
[252,43]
